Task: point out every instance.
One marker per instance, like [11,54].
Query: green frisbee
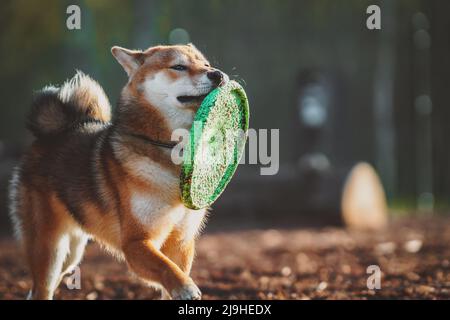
[216,144]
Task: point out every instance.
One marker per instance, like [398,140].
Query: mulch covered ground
[328,263]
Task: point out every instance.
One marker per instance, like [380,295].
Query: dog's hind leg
[78,241]
[46,256]
[45,231]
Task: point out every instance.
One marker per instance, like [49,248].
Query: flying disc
[216,144]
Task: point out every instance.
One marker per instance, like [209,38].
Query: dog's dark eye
[179,67]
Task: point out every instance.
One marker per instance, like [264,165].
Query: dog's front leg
[152,265]
[180,251]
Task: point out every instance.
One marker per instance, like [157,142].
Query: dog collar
[168,145]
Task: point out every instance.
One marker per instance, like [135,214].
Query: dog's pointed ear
[130,60]
[190,44]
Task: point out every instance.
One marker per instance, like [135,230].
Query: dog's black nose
[215,76]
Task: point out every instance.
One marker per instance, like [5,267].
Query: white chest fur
[155,208]
[154,214]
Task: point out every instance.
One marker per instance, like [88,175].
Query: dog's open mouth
[191,99]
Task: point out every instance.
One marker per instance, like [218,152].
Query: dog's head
[172,79]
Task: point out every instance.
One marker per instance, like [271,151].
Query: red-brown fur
[77,180]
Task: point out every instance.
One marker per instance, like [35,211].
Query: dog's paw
[187,292]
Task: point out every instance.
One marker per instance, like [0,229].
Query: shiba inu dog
[88,175]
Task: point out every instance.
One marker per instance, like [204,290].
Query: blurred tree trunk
[383,99]
[145,23]
[423,107]
[440,77]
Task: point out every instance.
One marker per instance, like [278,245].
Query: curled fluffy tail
[79,100]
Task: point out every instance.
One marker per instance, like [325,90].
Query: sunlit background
[338,92]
